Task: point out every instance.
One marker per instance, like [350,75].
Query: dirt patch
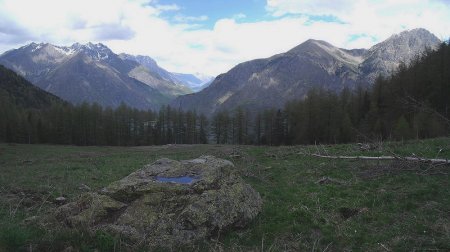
[347,213]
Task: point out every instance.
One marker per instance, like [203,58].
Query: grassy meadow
[310,203]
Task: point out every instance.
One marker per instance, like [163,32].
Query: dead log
[413,159]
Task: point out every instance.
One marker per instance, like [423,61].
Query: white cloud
[239,16]
[378,19]
[168,7]
[62,21]
[317,7]
[138,27]
[187,19]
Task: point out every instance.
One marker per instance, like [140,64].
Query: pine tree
[402,129]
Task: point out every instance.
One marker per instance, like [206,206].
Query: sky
[212,36]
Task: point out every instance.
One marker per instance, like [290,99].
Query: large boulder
[168,203]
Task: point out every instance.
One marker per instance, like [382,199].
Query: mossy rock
[168,203]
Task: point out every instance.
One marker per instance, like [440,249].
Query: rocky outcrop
[385,57]
[167,203]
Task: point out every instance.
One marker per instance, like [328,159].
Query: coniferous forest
[412,103]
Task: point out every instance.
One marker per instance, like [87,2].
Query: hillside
[20,92]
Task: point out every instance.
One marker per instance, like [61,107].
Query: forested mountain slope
[20,92]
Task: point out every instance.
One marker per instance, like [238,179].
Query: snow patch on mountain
[68,51]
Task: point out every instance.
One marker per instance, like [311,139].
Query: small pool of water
[178,180]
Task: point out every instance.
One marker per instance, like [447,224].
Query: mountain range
[93,73]
[271,82]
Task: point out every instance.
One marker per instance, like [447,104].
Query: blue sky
[212,36]
[242,11]
[214,10]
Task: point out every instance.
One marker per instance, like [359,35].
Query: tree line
[412,103]
[90,124]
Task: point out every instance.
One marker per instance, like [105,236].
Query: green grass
[369,206]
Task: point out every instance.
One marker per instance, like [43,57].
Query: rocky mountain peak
[418,33]
[32,46]
[408,41]
[309,46]
[96,51]
[146,59]
[141,59]
[319,49]
[383,58]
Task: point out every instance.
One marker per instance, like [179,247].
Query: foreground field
[310,204]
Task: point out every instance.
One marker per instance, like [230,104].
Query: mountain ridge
[271,82]
[195,82]
[107,78]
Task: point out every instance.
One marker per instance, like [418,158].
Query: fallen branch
[413,159]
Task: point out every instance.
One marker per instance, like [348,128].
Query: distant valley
[195,82]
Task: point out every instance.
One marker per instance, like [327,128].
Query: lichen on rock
[142,208]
